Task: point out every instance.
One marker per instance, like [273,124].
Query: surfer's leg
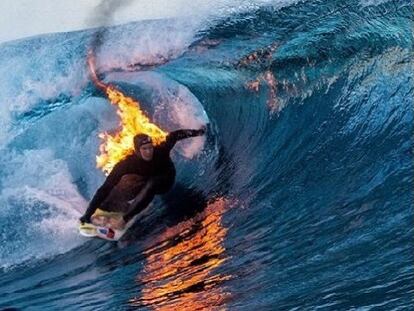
[141,201]
[126,190]
[117,202]
[155,185]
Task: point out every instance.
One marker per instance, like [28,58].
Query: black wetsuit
[158,175]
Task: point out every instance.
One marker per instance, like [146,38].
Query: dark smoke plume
[102,17]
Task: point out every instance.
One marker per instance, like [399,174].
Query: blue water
[299,198]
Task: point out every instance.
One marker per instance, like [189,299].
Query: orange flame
[115,147]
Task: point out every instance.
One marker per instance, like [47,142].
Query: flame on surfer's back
[114,147]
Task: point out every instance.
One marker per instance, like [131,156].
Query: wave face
[299,198]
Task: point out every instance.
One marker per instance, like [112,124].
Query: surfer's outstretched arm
[175,136]
[101,194]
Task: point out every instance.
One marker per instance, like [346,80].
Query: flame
[133,121]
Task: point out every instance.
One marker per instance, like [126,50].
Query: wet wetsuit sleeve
[113,178]
[175,136]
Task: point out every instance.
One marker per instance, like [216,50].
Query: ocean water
[300,197]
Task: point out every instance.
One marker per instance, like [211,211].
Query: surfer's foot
[100,220]
[117,223]
[110,222]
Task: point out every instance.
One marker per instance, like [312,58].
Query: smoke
[104,12]
[103,15]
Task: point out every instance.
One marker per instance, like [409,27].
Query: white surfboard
[91,230]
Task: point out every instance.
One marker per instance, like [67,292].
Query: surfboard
[103,226]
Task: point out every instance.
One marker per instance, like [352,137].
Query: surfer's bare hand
[202,130]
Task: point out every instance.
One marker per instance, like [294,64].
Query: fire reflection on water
[181,271]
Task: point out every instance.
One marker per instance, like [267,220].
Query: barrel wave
[298,198]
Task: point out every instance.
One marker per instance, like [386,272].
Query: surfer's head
[143,147]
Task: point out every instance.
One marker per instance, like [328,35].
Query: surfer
[135,180]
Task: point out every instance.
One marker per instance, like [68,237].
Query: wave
[303,184]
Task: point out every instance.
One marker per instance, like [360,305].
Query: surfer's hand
[84,219]
[202,130]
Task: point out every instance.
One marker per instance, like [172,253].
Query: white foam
[29,81]
[146,44]
[39,208]
[188,113]
[372,2]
